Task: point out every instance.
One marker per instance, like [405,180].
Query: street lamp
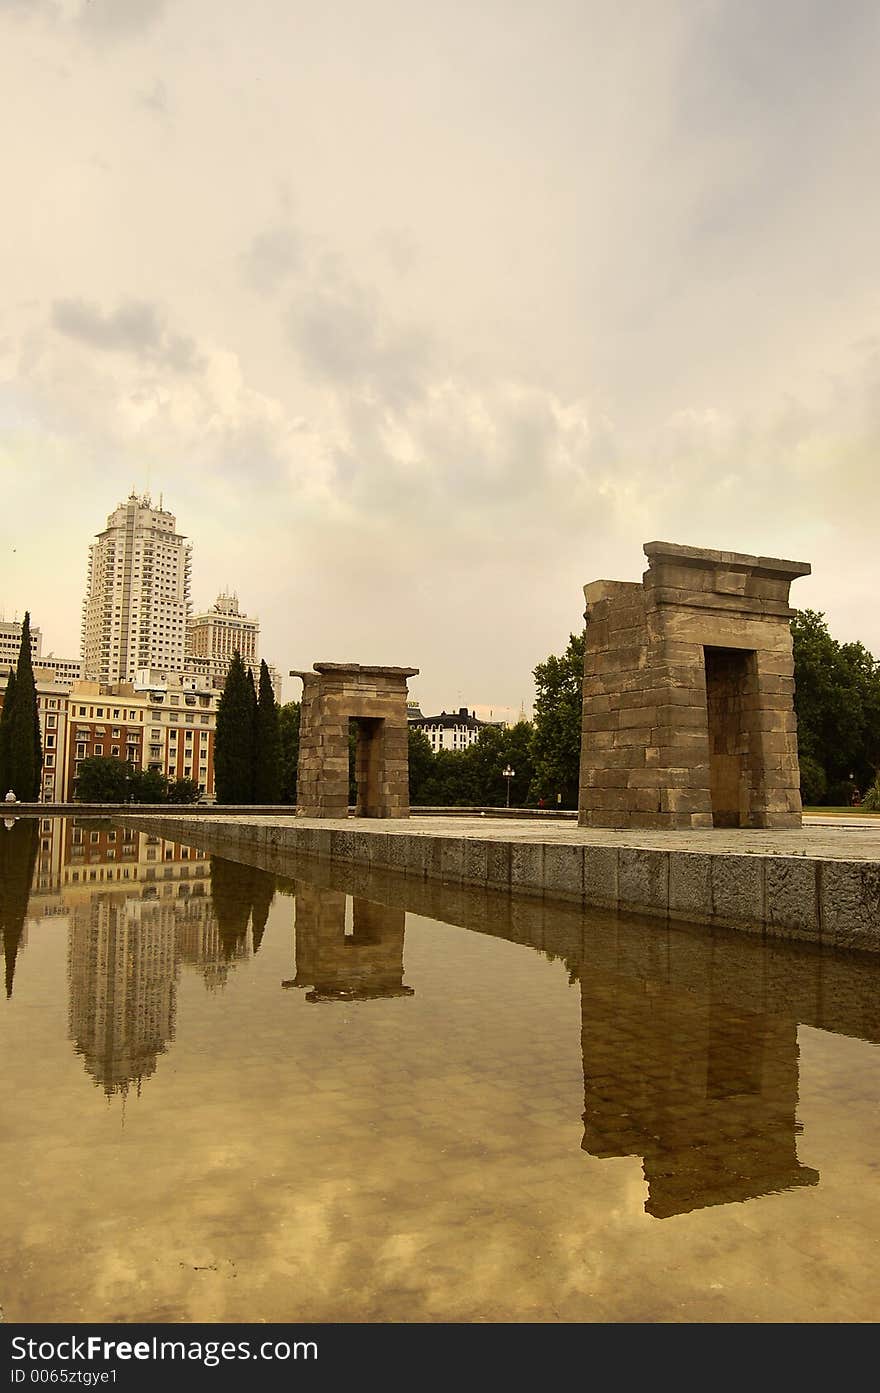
[508,774]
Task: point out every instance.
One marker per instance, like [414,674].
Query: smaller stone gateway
[688,713]
[375,698]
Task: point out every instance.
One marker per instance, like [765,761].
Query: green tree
[183,791]
[420,764]
[837,700]
[518,753]
[8,708]
[23,750]
[103,780]
[556,744]
[148,786]
[450,783]
[288,730]
[267,774]
[234,738]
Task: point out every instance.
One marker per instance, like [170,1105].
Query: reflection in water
[242,895]
[706,1093]
[346,947]
[18,855]
[137,910]
[688,1041]
[122,973]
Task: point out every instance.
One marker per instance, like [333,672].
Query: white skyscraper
[137,599]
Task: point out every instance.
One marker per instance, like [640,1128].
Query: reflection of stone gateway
[375,698]
[688,715]
[347,949]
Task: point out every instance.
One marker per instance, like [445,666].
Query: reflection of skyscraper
[348,948]
[705,1092]
[18,857]
[122,972]
[198,941]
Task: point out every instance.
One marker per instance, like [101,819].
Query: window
[50,761]
[51,721]
[114,750]
[99,749]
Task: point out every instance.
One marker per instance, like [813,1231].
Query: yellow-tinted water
[229,1094]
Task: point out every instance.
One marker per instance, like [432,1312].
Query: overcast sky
[422,316]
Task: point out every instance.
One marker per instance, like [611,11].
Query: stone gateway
[375,699]
[688,711]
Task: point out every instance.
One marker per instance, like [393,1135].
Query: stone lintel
[363,670]
[706,558]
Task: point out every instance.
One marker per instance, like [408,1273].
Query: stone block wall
[375,698]
[688,715]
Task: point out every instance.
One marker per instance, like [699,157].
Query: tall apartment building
[10,643]
[137,603]
[213,638]
[222,631]
[52,668]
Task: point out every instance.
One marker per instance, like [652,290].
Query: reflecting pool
[298,1091]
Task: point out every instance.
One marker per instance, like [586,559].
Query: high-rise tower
[222,631]
[137,599]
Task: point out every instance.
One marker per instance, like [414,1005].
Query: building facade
[52,668]
[212,638]
[163,725]
[450,730]
[222,631]
[10,643]
[137,602]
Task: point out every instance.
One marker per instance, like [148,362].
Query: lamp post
[508,774]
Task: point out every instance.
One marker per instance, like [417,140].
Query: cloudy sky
[421,316]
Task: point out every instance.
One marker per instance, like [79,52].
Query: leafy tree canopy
[556,747]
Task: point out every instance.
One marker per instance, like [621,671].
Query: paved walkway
[827,839]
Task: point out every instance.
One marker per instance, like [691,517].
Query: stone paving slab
[826,839]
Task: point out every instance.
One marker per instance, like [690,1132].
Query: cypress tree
[267,778]
[234,740]
[24,754]
[8,705]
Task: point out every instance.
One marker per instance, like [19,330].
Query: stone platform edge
[830,902]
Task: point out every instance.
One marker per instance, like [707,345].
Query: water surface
[301,1092]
